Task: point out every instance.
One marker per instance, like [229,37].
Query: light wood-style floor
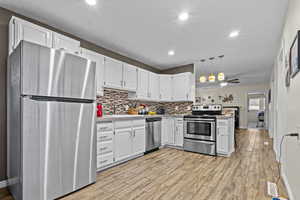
[174,174]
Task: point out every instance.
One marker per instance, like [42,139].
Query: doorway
[256,111]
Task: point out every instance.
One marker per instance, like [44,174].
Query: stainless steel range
[200,129]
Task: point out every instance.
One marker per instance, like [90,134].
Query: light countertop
[106,118]
[131,117]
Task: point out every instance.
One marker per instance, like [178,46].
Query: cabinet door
[143,83]
[222,140]
[11,35]
[138,140]
[164,131]
[171,131]
[99,59]
[27,31]
[165,86]
[123,143]
[191,87]
[180,87]
[179,133]
[231,135]
[130,77]
[153,86]
[113,73]
[68,44]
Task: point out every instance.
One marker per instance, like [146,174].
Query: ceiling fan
[230,81]
[235,80]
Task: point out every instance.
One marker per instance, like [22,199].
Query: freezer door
[58,148]
[55,73]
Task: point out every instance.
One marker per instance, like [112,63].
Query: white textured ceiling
[146,29]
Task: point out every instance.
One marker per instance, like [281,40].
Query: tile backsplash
[118,100]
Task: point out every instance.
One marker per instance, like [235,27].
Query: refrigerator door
[59,148]
[55,73]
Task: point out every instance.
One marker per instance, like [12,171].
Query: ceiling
[146,30]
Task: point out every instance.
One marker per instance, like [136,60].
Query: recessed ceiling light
[171,53]
[234,34]
[91,2]
[183,16]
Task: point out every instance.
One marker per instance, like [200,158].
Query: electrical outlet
[176,108]
[189,108]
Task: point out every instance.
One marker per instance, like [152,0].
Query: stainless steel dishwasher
[153,133]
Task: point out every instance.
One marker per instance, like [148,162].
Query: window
[256,104]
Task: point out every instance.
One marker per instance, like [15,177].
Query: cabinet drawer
[104,136]
[123,124]
[107,126]
[179,121]
[138,123]
[103,160]
[104,147]
[222,123]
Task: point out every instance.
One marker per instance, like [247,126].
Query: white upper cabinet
[99,59]
[23,30]
[143,84]
[165,87]
[153,86]
[181,87]
[130,77]
[68,44]
[113,73]
[20,29]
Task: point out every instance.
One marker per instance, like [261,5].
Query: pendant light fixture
[221,76]
[202,79]
[212,78]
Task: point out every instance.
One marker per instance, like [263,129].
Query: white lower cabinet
[105,144]
[165,128]
[178,132]
[225,137]
[172,131]
[138,140]
[104,160]
[123,143]
[118,141]
[129,142]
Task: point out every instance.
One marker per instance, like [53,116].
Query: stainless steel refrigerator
[51,122]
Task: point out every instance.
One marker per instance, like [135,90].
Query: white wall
[239,93]
[285,108]
[252,115]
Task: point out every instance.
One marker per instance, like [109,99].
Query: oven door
[202,129]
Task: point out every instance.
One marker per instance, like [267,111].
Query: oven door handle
[202,142]
[200,119]
[194,121]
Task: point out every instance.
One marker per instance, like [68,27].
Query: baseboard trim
[242,127]
[287,185]
[3,184]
